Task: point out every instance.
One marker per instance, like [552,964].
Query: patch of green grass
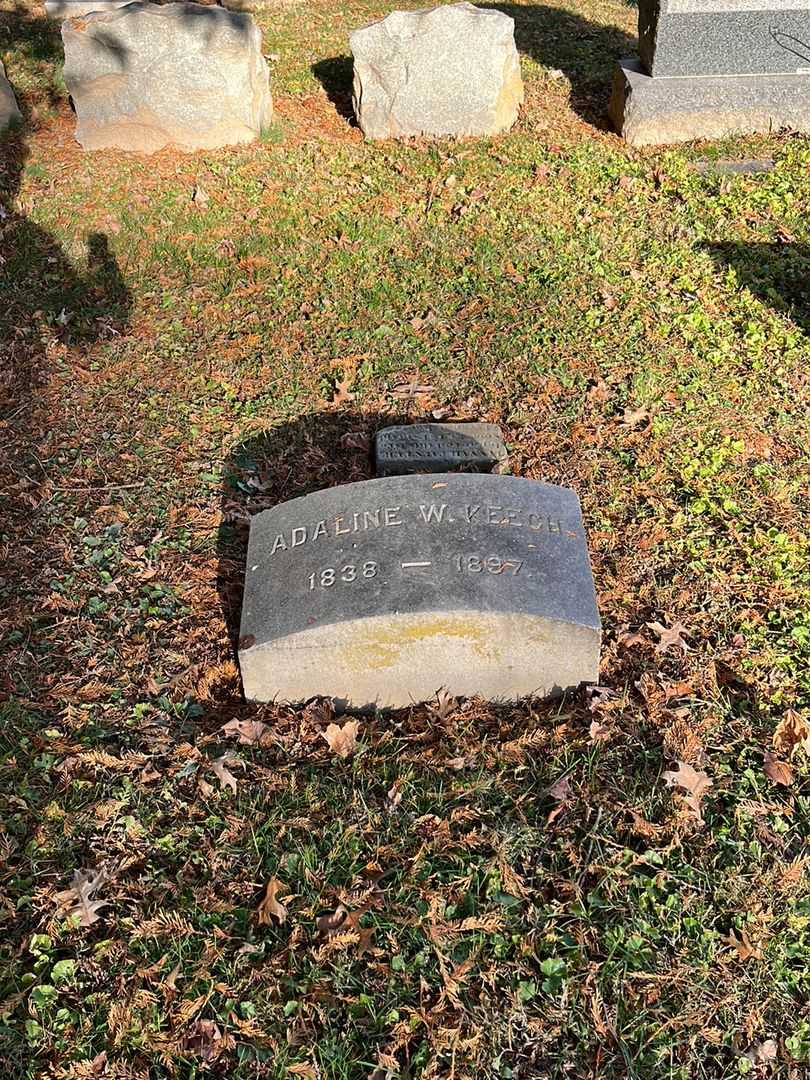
[640,330]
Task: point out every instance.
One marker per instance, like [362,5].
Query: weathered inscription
[439,447]
[384,517]
[381,592]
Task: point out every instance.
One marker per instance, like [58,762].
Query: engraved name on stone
[381,592]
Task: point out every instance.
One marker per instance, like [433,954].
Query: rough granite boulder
[71,9]
[147,76]
[451,70]
[9,113]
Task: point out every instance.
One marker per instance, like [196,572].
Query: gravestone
[9,112]
[450,70]
[379,593]
[711,68]
[412,448]
[147,76]
[71,9]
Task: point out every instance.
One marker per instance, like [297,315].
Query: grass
[527,897]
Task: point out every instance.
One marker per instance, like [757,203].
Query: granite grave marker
[378,593]
[9,110]
[711,68]
[410,448]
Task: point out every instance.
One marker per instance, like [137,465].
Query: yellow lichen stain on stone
[377,649]
[380,648]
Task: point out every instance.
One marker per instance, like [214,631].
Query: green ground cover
[476,891]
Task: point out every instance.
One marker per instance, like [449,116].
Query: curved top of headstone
[380,592]
[419,522]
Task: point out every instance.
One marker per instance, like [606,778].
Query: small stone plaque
[379,593]
[420,448]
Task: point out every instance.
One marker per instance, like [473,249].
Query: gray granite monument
[413,448]
[711,68]
[9,111]
[449,70]
[146,76]
[379,593]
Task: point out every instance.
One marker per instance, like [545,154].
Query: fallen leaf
[342,740]
[200,197]
[341,393]
[206,788]
[445,704]
[560,791]
[202,1039]
[355,440]
[778,771]
[763,1053]
[394,795]
[301,1068]
[597,696]
[366,942]
[689,780]
[742,944]
[79,895]
[248,732]
[599,392]
[634,418]
[223,774]
[598,732]
[334,922]
[669,636]
[792,731]
[270,908]
[319,711]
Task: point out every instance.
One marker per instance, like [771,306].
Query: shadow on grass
[554,38]
[46,304]
[584,51]
[778,274]
[335,76]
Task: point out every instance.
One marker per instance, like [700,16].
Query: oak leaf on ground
[247,732]
[779,771]
[792,732]
[342,740]
[223,774]
[693,783]
[669,636]
[342,393]
[743,946]
[270,908]
[80,895]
